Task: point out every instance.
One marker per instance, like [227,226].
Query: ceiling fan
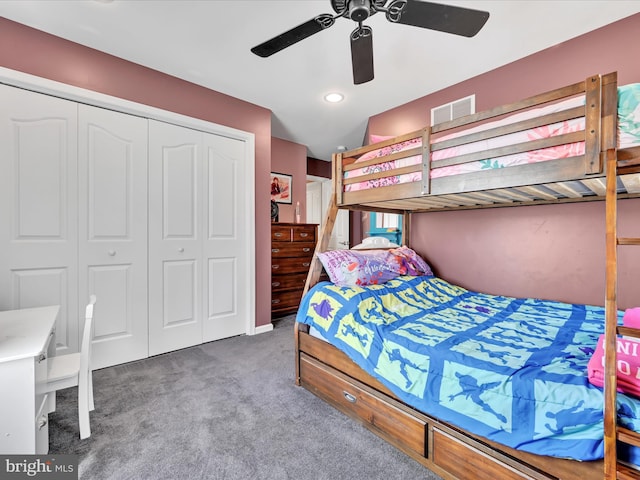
[435,16]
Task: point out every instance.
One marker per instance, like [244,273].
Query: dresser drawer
[304,234]
[288,282]
[281,266]
[292,249]
[286,300]
[280,233]
[390,422]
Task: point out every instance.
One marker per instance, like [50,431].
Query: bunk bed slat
[554,95]
[523,125]
[532,145]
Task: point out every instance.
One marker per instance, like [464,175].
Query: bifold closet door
[38,207]
[225,246]
[175,237]
[197,237]
[112,212]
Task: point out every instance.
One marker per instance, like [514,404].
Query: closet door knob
[181,249]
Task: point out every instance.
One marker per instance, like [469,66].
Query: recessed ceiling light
[334,97]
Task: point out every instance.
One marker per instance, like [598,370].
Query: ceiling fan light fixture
[334,97]
[359,10]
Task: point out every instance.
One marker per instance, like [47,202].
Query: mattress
[513,370]
[628,136]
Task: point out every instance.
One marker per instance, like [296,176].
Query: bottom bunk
[470,385]
[449,452]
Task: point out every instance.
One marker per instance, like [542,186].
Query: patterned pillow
[411,261]
[371,267]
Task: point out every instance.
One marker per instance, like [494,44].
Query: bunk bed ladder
[613,433]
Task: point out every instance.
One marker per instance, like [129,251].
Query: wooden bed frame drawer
[464,461]
[355,400]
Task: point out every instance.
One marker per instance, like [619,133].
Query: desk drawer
[388,421]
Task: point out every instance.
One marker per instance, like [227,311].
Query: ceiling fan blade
[362,54]
[436,16]
[288,38]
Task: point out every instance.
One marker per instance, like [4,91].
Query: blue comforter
[513,370]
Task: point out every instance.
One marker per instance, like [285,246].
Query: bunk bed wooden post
[406,228]
[611,322]
[592,126]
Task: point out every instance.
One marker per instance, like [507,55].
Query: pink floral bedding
[628,129]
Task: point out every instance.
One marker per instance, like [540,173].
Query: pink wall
[551,251]
[291,158]
[38,53]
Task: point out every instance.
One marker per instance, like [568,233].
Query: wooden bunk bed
[329,373]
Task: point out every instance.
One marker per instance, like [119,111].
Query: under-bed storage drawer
[464,461]
[390,422]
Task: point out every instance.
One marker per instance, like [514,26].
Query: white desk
[26,340]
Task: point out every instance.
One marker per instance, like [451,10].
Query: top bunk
[549,148]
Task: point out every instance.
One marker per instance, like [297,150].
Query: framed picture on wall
[281,185]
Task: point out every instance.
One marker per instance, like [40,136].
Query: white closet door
[112,169]
[38,205]
[175,237]
[225,244]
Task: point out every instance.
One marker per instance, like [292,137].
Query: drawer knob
[275,302]
[275,267]
[277,234]
[275,250]
[349,398]
[303,234]
[306,264]
[275,284]
[306,249]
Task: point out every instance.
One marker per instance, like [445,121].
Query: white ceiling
[208,42]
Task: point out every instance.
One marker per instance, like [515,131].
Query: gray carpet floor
[225,410]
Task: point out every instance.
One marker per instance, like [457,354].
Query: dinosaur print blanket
[513,370]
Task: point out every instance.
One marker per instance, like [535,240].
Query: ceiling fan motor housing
[359,10]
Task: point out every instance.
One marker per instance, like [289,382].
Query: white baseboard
[263,328]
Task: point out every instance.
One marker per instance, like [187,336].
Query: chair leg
[91,405]
[83,410]
[51,406]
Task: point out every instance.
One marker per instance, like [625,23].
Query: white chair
[74,369]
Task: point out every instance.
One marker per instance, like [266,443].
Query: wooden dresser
[292,246]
